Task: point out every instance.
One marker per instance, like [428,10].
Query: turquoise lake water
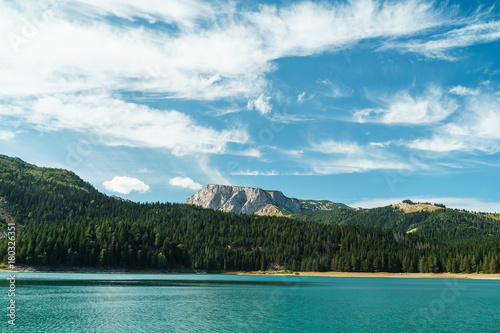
[73,302]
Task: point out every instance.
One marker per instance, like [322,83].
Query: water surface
[74,302]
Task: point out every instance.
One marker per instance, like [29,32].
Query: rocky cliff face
[247,200]
[242,200]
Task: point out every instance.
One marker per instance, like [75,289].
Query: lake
[76,302]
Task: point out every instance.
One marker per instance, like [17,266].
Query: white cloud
[185,182]
[216,52]
[440,45]
[438,144]
[304,96]
[7,135]
[252,152]
[144,170]
[255,173]
[307,28]
[293,152]
[125,185]
[300,97]
[475,129]
[336,147]
[70,53]
[355,164]
[429,107]
[464,91]
[349,157]
[183,12]
[214,174]
[260,104]
[115,122]
[337,89]
[470,204]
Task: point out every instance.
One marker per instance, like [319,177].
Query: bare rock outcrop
[241,200]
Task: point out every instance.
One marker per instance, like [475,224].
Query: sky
[363,102]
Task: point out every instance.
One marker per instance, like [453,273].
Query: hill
[443,224]
[62,220]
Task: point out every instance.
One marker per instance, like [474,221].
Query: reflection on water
[71,302]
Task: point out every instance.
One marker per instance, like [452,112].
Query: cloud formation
[185,182]
[125,185]
[349,157]
[463,91]
[475,129]
[114,122]
[260,104]
[429,107]
[212,53]
[7,135]
[440,45]
[255,173]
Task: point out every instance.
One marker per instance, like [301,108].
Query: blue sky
[362,102]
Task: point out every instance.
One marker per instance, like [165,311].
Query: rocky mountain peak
[241,200]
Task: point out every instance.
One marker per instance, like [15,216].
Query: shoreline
[472,276]
[101,270]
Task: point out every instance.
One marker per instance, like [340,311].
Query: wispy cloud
[336,89]
[356,164]
[125,185]
[429,107]
[304,96]
[255,173]
[307,28]
[475,129]
[117,123]
[260,104]
[464,91]
[440,45]
[252,152]
[336,147]
[179,12]
[349,157]
[214,175]
[215,53]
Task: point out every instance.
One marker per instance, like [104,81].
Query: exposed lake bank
[72,269]
[108,270]
[382,274]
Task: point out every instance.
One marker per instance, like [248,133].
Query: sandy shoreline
[44,269]
[384,275]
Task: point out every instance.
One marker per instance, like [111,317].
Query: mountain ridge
[249,200]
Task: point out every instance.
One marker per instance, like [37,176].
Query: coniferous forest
[63,221]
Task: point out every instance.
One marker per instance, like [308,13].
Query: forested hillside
[62,220]
[445,225]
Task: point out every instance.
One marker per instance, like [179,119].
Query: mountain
[61,220]
[424,219]
[247,200]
